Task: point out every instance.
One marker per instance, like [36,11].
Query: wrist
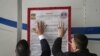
[60,37]
[40,34]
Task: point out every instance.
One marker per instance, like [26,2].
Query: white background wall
[8,35]
[85,13]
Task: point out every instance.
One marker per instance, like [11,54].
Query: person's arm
[45,46]
[56,49]
[39,30]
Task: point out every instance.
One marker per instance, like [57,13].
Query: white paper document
[51,19]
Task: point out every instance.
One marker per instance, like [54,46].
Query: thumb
[34,30]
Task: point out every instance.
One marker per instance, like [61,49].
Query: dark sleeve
[56,49]
[92,54]
[45,48]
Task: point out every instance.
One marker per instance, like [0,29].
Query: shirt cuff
[41,37]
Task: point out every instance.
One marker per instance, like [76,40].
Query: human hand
[61,29]
[40,28]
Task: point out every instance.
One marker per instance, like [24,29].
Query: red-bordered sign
[49,8]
